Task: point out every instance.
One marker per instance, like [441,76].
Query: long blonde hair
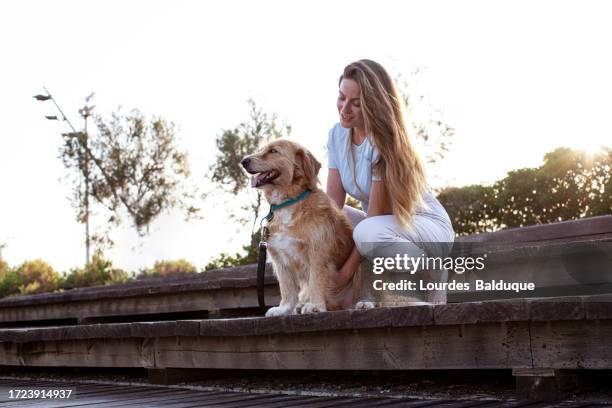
[399,165]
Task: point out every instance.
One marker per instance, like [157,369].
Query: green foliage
[234,144]
[569,185]
[469,208]
[168,268]
[99,271]
[36,277]
[10,282]
[133,166]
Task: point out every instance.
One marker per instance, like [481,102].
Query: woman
[372,159]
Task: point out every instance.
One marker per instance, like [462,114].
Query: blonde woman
[372,158]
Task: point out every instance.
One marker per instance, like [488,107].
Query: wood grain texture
[572,344]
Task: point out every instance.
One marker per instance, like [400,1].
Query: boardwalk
[112,395]
[171,328]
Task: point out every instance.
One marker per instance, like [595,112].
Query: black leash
[261,268]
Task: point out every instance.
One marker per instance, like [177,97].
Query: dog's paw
[309,308]
[298,308]
[279,311]
[365,304]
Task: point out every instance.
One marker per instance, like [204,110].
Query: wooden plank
[330,402]
[120,393]
[598,307]
[554,231]
[159,398]
[210,400]
[264,402]
[572,344]
[386,402]
[203,300]
[279,401]
[567,308]
[128,397]
[461,404]
[195,400]
[451,314]
[237,277]
[486,345]
[80,390]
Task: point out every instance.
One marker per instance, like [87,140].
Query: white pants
[429,235]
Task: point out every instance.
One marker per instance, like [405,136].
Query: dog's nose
[245,162]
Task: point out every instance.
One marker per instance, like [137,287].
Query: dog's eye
[272,151]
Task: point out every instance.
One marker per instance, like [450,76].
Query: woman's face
[349,105]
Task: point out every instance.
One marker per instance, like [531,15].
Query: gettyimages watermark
[478,271]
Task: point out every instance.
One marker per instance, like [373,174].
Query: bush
[9,282]
[162,269]
[98,271]
[36,277]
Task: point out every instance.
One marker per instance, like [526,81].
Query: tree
[233,145]
[569,185]
[131,164]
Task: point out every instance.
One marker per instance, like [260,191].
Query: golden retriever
[309,240]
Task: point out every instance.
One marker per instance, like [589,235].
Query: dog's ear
[310,167]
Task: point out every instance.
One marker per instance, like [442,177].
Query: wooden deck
[211,294]
[181,324]
[553,334]
[113,395]
[232,292]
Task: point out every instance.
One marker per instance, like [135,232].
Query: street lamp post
[85,112]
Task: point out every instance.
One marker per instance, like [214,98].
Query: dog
[310,239]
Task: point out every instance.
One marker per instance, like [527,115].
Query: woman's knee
[372,230]
[364,232]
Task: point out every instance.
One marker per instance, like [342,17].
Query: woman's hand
[343,277]
[346,271]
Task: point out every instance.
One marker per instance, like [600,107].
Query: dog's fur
[309,240]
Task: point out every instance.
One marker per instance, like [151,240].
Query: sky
[515,79]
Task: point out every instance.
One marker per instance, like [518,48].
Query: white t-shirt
[341,158]
[365,154]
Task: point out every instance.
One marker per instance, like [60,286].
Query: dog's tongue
[256,178]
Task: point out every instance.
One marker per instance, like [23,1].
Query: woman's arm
[379,200]
[379,205]
[334,188]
